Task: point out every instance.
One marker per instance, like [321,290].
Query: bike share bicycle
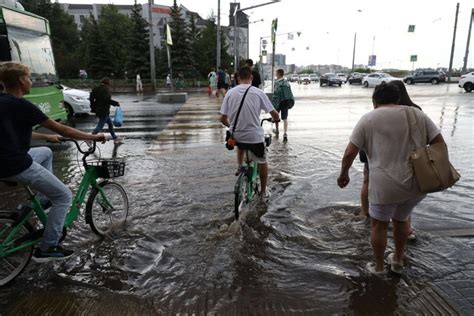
[107,206]
[248,180]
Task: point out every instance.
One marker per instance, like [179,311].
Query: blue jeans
[101,123]
[40,178]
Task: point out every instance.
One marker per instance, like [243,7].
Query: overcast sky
[327,29]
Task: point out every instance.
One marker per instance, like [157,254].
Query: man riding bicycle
[33,166]
[248,132]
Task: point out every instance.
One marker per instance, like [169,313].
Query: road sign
[372,60]
[413,58]
[411,28]
[264,53]
[274,29]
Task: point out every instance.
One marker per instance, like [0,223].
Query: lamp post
[236,11]
[152,46]
[354,49]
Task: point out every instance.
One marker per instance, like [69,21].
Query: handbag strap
[240,108]
[409,129]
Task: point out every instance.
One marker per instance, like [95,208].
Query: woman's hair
[10,73]
[404,97]
[386,93]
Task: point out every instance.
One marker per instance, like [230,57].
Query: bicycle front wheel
[106,208]
[240,192]
[13,264]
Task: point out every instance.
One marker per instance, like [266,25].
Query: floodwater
[182,252]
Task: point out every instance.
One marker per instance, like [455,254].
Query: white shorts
[399,211]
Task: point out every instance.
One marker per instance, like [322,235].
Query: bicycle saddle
[9,183]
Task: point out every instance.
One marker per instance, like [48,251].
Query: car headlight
[78,99]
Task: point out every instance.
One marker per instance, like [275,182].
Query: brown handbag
[431,165]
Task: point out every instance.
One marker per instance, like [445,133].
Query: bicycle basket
[109,168]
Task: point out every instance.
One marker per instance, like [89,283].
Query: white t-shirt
[248,129]
[383,135]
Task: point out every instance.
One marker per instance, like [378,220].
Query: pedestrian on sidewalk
[139,83]
[221,86]
[257,81]
[282,101]
[212,76]
[393,192]
[101,100]
[168,81]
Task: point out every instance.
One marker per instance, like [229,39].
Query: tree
[181,54]
[97,51]
[115,28]
[138,45]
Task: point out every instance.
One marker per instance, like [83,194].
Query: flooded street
[181,252]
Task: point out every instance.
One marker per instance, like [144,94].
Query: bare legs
[378,239]
[364,194]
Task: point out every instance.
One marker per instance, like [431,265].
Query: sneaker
[285,138]
[118,140]
[237,172]
[370,267]
[52,254]
[412,236]
[396,267]
[276,131]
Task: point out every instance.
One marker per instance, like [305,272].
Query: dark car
[428,76]
[355,78]
[330,79]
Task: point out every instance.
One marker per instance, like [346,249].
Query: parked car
[314,77]
[343,77]
[304,79]
[330,79]
[377,78]
[427,76]
[294,78]
[355,78]
[76,101]
[467,82]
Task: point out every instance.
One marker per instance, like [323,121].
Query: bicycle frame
[251,171]
[11,245]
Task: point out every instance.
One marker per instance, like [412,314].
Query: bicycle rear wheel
[106,211]
[240,192]
[13,265]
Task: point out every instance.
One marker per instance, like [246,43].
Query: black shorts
[257,149]
[284,113]
[221,85]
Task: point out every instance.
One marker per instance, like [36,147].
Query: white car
[377,78]
[467,82]
[76,101]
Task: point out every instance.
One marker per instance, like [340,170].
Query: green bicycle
[106,207]
[248,179]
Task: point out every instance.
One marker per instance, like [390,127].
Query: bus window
[33,50]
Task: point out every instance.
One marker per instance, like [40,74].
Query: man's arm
[70,132]
[275,116]
[225,120]
[347,160]
[114,103]
[46,137]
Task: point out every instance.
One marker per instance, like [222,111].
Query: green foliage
[97,52]
[181,51]
[362,70]
[115,28]
[138,45]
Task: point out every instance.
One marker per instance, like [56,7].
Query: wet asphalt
[181,252]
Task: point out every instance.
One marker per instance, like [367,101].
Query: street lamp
[354,50]
[236,11]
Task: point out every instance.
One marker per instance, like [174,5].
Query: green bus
[25,38]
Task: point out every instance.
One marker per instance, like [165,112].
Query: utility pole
[152,46]
[454,40]
[218,53]
[354,50]
[464,68]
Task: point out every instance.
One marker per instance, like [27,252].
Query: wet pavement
[303,253]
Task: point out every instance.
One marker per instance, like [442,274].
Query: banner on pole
[169,40]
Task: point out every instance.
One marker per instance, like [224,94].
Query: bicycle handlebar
[84,152]
[268,120]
